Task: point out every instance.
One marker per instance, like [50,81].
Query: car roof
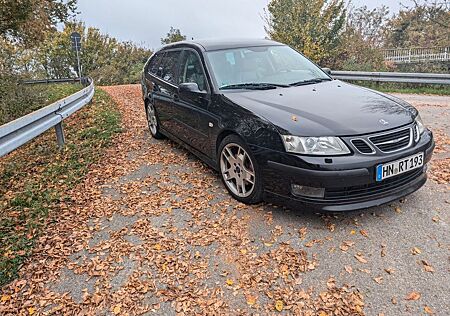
[220,44]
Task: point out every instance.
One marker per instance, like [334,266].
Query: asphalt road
[158,234]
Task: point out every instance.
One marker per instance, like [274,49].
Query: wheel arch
[146,101]
[221,137]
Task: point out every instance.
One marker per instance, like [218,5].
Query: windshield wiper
[309,81]
[254,86]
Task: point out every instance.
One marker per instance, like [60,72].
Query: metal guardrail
[46,81]
[424,78]
[18,132]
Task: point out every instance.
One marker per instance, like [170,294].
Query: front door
[191,108]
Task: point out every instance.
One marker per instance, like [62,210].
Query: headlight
[420,126]
[321,146]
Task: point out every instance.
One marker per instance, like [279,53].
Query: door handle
[176,97]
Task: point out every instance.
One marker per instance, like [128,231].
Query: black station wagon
[279,128]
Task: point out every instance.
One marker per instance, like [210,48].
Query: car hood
[330,108]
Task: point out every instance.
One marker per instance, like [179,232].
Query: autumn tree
[424,24]
[27,21]
[362,40]
[173,36]
[313,27]
[104,58]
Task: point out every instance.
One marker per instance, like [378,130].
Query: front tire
[153,121]
[240,171]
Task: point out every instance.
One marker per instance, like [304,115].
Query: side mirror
[189,87]
[327,71]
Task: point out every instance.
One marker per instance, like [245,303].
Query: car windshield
[269,65]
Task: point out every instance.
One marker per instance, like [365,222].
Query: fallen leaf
[383,251]
[346,245]
[379,280]
[416,251]
[349,269]
[398,209]
[394,300]
[353,232]
[229,282]
[31,310]
[435,219]
[117,309]
[428,310]
[5,298]
[279,305]
[331,227]
[157,247]
[251,300]
[331,283]
[360,258]
[389,270]
[427,267]
[364,233]
[302,231]
[413,296]
[322,313]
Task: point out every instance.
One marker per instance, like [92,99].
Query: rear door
[192,108]
[150,71]
[165,88]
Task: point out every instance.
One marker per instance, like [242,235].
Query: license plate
[400,166]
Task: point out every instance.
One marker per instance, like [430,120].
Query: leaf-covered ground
[35,178]
[152,231]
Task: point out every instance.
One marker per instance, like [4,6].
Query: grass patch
[19,100]
[34,179]
[406,88]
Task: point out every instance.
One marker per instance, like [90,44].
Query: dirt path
[152,231]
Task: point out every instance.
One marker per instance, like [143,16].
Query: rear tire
[153,121]
[240,171]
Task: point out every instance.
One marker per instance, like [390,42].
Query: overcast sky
[146,21]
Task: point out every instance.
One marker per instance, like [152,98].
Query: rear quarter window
[155,63]
[168,70]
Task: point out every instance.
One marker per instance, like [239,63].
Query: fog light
[301,190]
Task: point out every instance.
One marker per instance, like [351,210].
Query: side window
[168,70]
[155,64]
[192,71]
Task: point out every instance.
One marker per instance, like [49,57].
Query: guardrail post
[59,135]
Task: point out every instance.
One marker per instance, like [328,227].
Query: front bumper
[349,181]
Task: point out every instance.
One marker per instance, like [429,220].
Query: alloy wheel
[151,119]
[237,170]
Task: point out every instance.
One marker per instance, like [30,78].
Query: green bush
[19,100]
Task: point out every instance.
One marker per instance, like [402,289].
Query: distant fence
[417,55]
[423,78]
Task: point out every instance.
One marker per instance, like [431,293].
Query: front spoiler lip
[363,203]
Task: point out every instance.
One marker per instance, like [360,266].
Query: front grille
[362,146]
[392,141]
[373,188]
